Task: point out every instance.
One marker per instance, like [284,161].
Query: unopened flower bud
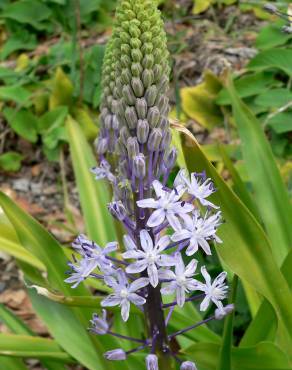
[221,313]
[124,135]
[147,77]
[148,61]
[158,72]
[126,76]
[150,95]
[115,122]
[123,168]
[163,84]
[101,146]
[139,166]
[137,87]
[163,124]
[154,140]
[136,55]
[125,60]
[166,140]
[132,147]
[117,210]
[128,95]
[135,43]
[99,323]
[141,107]
[153,116]
[163,105]
[188,365]
[131,117]
[151,362]
[142,131]
[136,69]
[170,158]
[108,122]
[115,355]
[120,148]
[147,48]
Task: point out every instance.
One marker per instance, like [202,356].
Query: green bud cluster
[135,82]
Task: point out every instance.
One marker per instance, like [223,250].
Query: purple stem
[120,262]
[169,313]
[174,244]
[191,327]
[127,338]
[159,228]
[137,349]
[141,196]
[150,169]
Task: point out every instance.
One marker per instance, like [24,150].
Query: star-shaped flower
[199,230]
[215,291]
[149,257]
[81,271]
[94,253]
[103,171]
[182,279]
[167,206]
[198,185]
[124,293]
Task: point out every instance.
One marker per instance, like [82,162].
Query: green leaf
[271,36]
[248,85]
[17,94]
[272,59]
[201,6]
[274,98]
[8,363]
[54,118]
[23,122]
[264,356]
[246,250]
[40,243]
[271,195]
[11,161]
[31,347]
[18,41]
[62,90]
[264,326]
[281,123]
[13,322]
[94,195]
[31,12]
[198,102]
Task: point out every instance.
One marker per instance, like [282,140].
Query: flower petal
[162,243]
[111,300]
[146,241]
[173,221]
[129,243]
[138,284]
[181,235]
[191,268]
[158,188]
[125,309]
[206,275]
[205,303]
[166,260]
[147,203]
[156,218]
[136,267]
[132,254]
[136,299]
[180,296]
[153,275]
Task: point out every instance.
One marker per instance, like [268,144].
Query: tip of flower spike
[115,355]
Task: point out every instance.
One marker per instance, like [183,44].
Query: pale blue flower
[199,230]
[167,206]
[115,355]
[214,292]
[103,171]
[182,281]
[99,323]
[149,257]
[124,293]
[151,362]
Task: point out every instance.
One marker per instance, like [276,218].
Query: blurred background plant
[50,64]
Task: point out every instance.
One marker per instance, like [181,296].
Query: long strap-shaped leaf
[39,242]
[246,250]
[271,196]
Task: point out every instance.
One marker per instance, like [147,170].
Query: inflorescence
[165,225]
